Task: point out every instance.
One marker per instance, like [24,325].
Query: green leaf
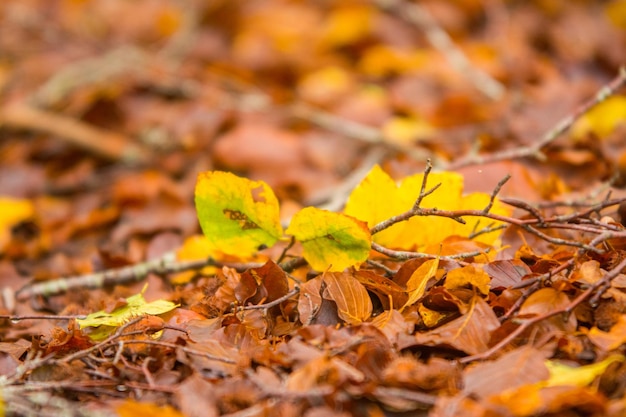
[237,215]
[134,306]
[330,240]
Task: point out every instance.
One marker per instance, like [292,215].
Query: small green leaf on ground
[135,306]
[330,240]
[237,215]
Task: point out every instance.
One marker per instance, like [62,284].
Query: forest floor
[110,109]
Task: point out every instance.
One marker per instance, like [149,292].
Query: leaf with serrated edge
[330,241]
[237,215]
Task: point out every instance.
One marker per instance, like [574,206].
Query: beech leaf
[468,275]
[416,286]
[330,241]
[237,215]
[354,305]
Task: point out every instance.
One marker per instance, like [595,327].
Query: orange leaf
[416,286]
[353,302]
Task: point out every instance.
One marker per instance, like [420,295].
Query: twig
[418,15]
[561,127]
[606,280]
[106,144]
[404,255]
[422,194]
[495,192]
[164,265]
[119,332]
[14,318]
[276,302]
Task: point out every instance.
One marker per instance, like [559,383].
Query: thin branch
[119,332]
[419,16]
[17,318]
[561,127]
[418,202]
[161,266]
[606,280]
[404,255]
[276,302]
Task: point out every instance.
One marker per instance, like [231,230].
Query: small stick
[419,16]
[561,127]
[606,280]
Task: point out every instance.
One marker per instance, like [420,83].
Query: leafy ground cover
[272,207]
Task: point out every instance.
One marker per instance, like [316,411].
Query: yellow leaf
[14,211]
[522,401]
[432,318]
[168,21]
[326,85]
[354,305]
[132,408]
[602,119]
[194,247]
[407,130]
[578,376]
[416,285]
[330,240]
[468,275]
[347,25]
[616,12]
[135,306]
[237,215]
[612,339]
[383,60]
[378,198]
[386,202]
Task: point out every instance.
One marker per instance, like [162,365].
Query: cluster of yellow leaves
[239,217]
[379,198]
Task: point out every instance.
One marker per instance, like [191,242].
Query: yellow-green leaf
[378,198]
[135,306]
[578,376]
[237,215]
[330,240]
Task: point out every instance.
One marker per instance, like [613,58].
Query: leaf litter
[494,297]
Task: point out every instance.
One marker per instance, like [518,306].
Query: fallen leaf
[134,306]
[416,286]
[238,216]
[330,241]
[354,305]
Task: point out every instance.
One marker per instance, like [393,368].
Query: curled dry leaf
[469,333]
